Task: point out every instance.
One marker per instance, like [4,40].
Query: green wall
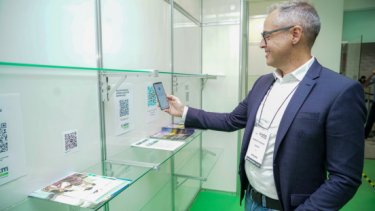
[357,23]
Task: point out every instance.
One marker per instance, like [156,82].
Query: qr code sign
[3,137]
[124,107]
[70,141]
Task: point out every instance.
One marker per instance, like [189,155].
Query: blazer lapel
[305,87]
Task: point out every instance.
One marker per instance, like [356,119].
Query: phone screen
[161,96]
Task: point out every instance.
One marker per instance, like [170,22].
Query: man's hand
[176,108]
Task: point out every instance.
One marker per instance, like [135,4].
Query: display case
[80,87]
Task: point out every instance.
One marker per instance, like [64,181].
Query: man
[304,124]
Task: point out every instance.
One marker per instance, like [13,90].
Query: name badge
[257,147]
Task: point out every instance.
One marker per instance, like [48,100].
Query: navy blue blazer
[319,148]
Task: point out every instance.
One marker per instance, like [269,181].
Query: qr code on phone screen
[151,97]
[3,137]
[70,141]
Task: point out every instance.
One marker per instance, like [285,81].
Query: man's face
[277,45]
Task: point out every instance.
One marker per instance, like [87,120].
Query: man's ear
[296,33]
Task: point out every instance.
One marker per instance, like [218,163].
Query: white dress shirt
[274,105]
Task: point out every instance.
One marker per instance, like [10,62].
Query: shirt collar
[295,75]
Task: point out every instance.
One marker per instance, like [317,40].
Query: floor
[364,199]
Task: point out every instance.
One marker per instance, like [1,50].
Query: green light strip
[99,69]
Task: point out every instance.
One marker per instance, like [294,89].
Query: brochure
[173,133]
[161,144]
[82,189]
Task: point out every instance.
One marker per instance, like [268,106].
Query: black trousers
[370,120]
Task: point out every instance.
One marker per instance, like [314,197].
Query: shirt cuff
[184,114]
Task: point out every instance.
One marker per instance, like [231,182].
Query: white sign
[12,145]
[123,109]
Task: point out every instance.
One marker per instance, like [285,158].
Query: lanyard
[265,99]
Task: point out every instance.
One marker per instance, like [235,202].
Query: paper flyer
[12,145]
[123,108]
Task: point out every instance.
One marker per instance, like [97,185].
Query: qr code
[124,107]
[70,140]
[3,137]
[151,97]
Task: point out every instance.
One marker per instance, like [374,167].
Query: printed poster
[12,145]
[123,108]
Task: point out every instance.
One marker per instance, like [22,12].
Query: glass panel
[187,44]
[193,7]
[192,166]
[48,32]
[59,116]
[351,55]
[151,192]
[188,90]
[122,171]
[133,40]
[147,157]
[221,11]
[185,189]
[221,35]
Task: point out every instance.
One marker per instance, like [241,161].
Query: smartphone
[161,96]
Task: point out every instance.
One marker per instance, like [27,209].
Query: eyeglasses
[267,34]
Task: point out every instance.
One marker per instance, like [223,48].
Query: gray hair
[299,12]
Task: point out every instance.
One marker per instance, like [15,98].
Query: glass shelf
[149,158]
[122,171]
[133,164]
[106,71]
[208,157]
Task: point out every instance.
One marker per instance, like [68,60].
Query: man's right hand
[176,108]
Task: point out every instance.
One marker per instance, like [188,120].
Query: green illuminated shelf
[104,71]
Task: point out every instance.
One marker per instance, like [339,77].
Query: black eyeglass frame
[266,34]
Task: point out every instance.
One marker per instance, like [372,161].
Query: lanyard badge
[257,147]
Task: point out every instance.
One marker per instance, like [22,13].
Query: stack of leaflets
[173,133]
[82,189]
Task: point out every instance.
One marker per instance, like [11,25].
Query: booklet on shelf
[152,143]
[173,133]
[82,189]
